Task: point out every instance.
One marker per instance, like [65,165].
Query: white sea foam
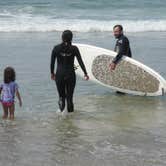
[30,23]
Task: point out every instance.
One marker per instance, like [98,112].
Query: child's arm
[0,92]
[19,97]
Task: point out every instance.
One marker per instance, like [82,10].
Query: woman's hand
[53,77]
[86,77]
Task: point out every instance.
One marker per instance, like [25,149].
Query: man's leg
[120,93]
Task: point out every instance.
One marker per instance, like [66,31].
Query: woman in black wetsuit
[65,77]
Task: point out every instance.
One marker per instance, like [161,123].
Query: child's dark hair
[9,75]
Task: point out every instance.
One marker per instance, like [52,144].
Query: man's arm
[122,44]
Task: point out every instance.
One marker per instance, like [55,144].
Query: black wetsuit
[122,48]
[65,73]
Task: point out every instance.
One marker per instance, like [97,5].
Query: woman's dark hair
[9,75]
[119,26]
[67,36]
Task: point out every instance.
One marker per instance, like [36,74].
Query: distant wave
[29,23]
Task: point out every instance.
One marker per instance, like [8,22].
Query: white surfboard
[130,76]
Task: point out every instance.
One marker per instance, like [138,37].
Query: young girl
[7,91]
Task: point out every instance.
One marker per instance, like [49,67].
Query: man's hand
[86,77]
[53,77]
[112,66]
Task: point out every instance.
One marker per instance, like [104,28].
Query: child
[7,91]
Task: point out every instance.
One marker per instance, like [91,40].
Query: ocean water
[106,129]
[82,15]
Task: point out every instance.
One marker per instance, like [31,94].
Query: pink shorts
[7,104]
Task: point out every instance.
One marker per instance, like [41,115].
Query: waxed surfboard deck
[125,76]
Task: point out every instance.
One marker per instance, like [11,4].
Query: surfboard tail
[164,90]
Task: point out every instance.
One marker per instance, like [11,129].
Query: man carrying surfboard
[65,77]
[122,46]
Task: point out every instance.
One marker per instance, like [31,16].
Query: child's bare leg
[5,112]
[11,111]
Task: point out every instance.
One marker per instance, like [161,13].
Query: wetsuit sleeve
[53,58]
[122,45]
[80,61]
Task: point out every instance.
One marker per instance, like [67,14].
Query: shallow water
[105,129]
